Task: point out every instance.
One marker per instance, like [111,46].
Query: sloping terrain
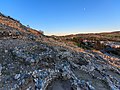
[106,36]
[30,61]
[11,28]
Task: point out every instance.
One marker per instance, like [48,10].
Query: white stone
[6,51]
[78,88]
[0,69]
[32,60]
[17,76]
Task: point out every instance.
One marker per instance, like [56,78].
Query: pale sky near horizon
[61,17]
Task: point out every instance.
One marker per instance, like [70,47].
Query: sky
[61,17]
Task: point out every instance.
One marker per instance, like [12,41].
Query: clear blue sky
[65,16]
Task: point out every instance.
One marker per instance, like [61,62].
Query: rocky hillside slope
[30,60]
[12,27]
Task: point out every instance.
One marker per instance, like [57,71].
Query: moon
[84,9]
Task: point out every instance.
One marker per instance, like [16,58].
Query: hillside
[109,41]
[29,60]
[13,27]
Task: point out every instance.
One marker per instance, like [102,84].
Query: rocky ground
[30,62]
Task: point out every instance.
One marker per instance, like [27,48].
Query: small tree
[28,26]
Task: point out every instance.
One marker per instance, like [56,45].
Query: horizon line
[64,34]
